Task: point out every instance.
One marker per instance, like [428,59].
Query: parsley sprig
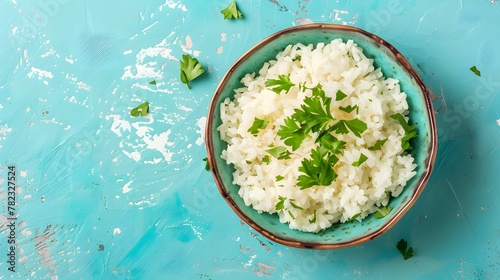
[318,171]
[282,84]
[404,250]
[190,69]
[231,11]
[258,124]
[409,131]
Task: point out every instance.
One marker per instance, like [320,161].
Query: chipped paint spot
[126,188]
[201,123]
[220,49]
[117,231]
[498,122]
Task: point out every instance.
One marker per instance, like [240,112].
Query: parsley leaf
[291,215]
[281,203]
[475,71]
[207,165]
[329,141]
[140,110]
[313,220]
[340,95]
[295,205]
[409,131]
[283,83]
[257,125]
[382,212]
[291,133]
[231,11]
[279,178]
[279,152]
[404,250]
[378,145]
[318,170]
[314,115]
[349,109]
[153,82]
[357,127]
[190,69]
[266,159]
[353,218]
[362,158]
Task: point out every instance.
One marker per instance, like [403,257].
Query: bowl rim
[419,185]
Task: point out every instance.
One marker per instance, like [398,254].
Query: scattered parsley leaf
[402,247]
[475,71]
[297,58]
[382,212]
[378,145]
[319,92]
[207,165]
[329,141]
[140,110]
[340,95]
[231,11]
[279,152]
[153,82]
[313,220]
[318,171]
[283,83]
[349,109]
[295,205]
[314,115]
[279,178]
[257,125]
[409,131]
[357,127]
[190,69]
[291,133]
[362,158]
[353,218]
[266,159]
[291,215]
[281,203]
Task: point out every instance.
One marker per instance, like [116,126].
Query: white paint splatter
[189,42]
[133,155]
[498,122]
[23,173]
[117,231]
[223,37]
[28,109]
[201,123]
[148,69]
[40,73]
[26,232]
[119,125]
[126,188]
[70,60]
[173,5]
[84,86]
[127,52]
[303,21]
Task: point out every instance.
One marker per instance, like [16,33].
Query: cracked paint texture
[103,195]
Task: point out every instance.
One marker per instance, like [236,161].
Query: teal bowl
[392,64]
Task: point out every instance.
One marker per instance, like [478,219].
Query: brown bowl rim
[420,184]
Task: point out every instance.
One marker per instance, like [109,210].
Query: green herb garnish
[330,142]
[382,212]
[279,152]
[140,110]
[266,159]
[318,170]
[281,203]
[295,205]
[357,127]
[231,11]
[292,133]
[279,178]
[313,220]
[291,215]
[409,131]
[378,145]
[340,95]
[207,165]
[475,71]
[314,115]
[362,158]
[283,83]
[257,125]
[190,69]
[353,218]
[349,109]
[153,82]
[402,247]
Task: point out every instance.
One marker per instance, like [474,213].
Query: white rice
[357,190]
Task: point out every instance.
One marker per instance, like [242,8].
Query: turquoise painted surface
[105,196]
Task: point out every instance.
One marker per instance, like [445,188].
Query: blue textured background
[102,195]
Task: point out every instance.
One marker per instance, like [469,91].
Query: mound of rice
[357,191]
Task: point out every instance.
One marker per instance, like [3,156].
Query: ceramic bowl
[394,65]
